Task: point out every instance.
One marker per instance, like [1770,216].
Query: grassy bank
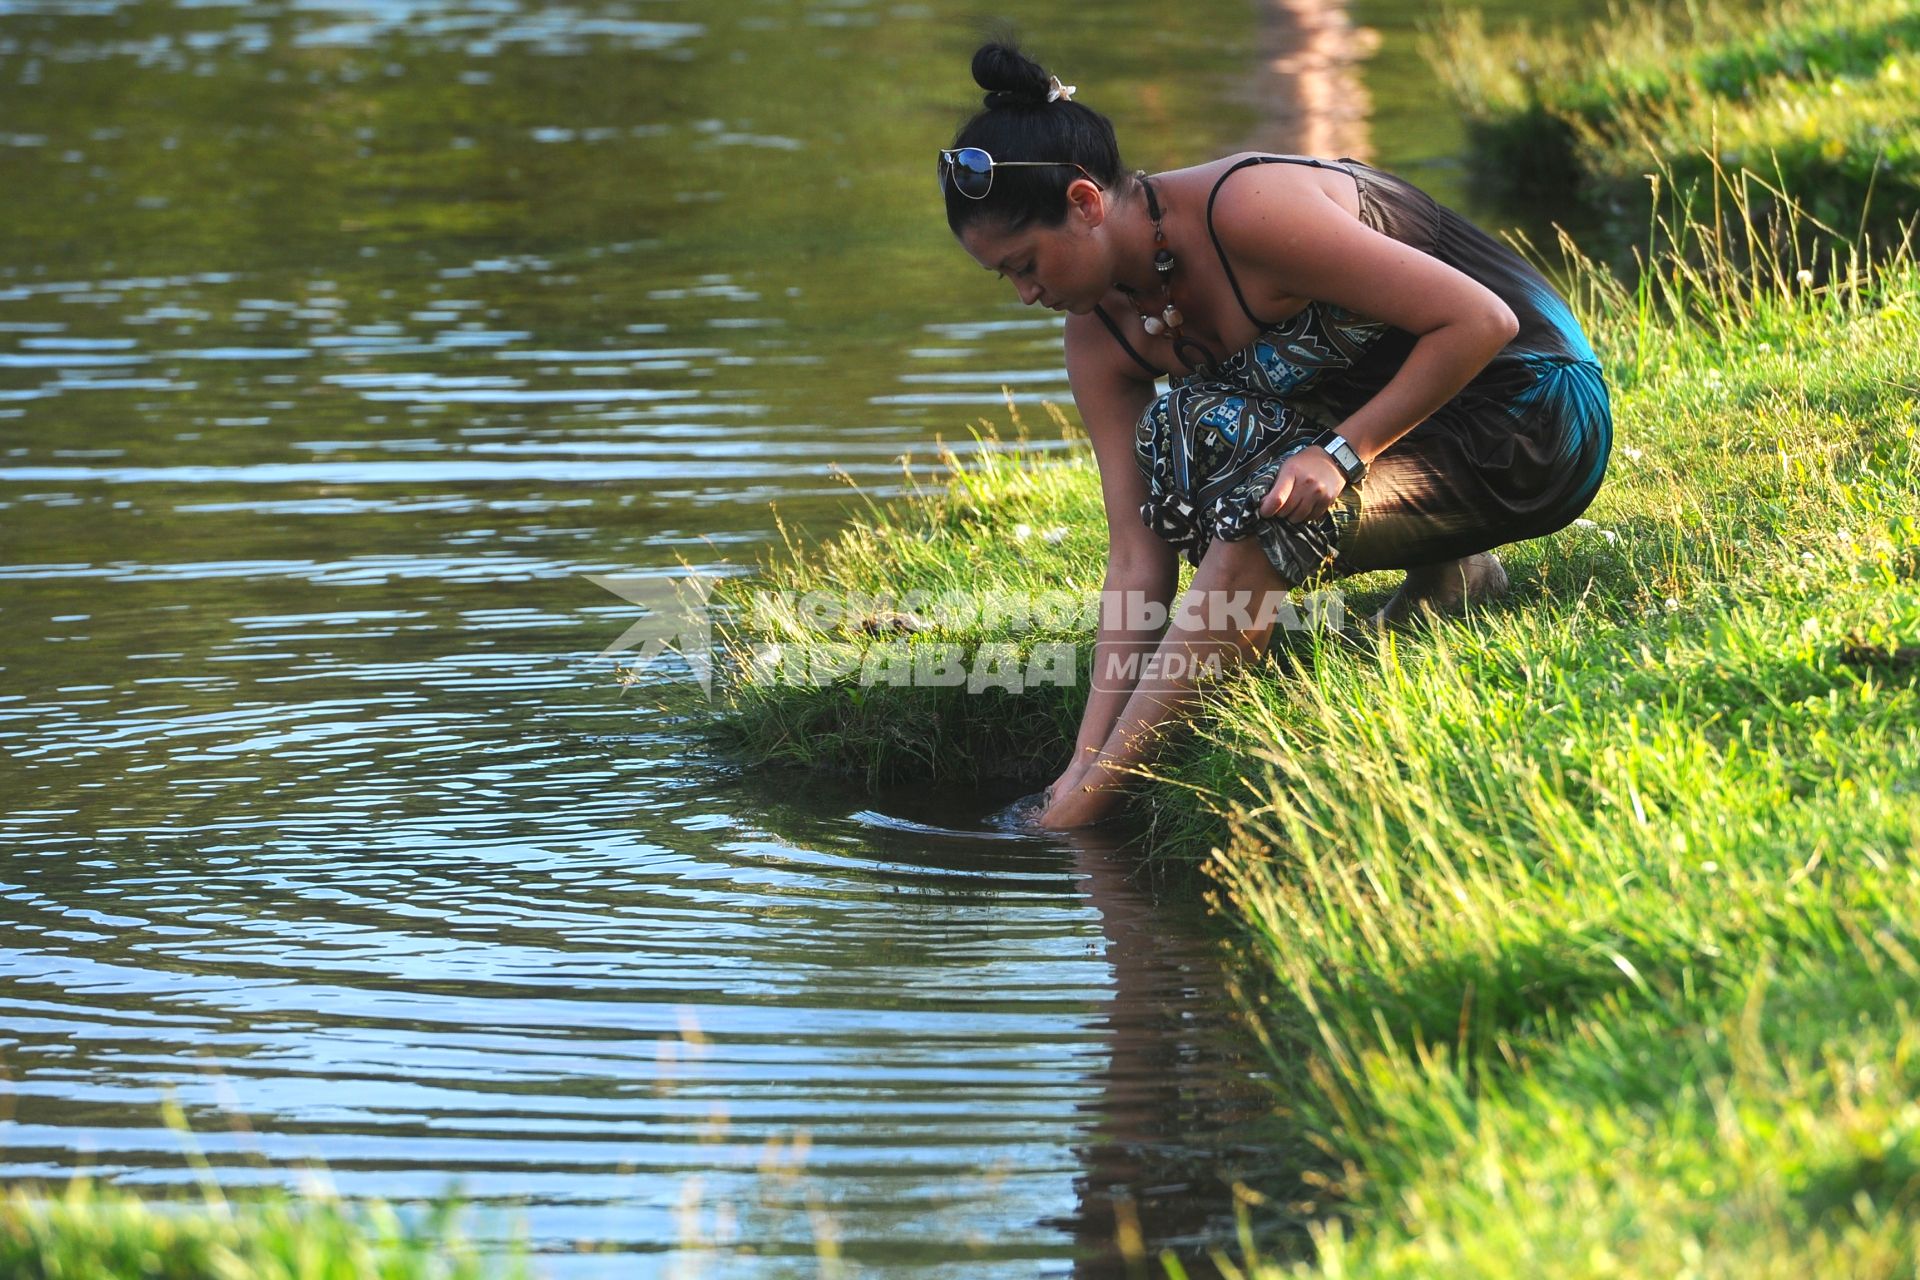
[91,1231]
[1582,931]
[1026,524]
[1817,97]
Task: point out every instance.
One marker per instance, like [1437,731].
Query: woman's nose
[1029,293]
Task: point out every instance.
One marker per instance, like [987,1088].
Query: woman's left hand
[1308,485]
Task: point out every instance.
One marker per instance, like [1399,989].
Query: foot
[1080,811]
[1085,801]
[1444,589]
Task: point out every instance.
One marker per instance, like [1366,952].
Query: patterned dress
[1518,453]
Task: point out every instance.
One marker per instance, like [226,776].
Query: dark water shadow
[1183,1100]
[1185,1105]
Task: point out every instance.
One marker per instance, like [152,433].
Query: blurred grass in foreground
[93,1231]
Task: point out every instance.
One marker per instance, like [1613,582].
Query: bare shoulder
[1290,234]
[1258,198]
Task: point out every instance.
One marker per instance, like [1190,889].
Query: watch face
[1351,468]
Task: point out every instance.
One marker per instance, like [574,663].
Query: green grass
[1819,97]
[91,1231]
[954,539]
[1595,935]
[1582,931]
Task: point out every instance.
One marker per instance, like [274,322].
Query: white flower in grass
[1610,536]
[1056,534]
[1808,556]
[1805,278]
[1633,455]
[1021,532]
[1810,628]
[1584,523]
[1672,604]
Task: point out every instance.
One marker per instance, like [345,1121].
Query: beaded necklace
[1169,320]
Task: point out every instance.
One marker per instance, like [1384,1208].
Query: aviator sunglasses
[971,170]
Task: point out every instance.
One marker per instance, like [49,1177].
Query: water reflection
[563,969]
[1179,1102]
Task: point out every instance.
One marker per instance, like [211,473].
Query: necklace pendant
[1171,317]
[1153,326]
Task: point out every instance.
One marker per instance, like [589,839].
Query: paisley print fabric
[1211,448]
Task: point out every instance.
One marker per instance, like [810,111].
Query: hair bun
[1010,78]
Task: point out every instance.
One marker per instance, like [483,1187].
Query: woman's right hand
[1068,780]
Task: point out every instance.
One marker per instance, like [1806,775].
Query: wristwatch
[1343,456]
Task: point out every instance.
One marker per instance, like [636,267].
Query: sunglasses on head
[971,170]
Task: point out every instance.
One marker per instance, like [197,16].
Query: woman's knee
[1241,562]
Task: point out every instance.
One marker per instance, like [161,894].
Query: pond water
[340,343]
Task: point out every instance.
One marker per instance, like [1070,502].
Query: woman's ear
[1085,197]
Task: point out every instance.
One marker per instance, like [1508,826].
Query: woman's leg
[1434,504]
[1472,478]
[1225,616]
[1411,514]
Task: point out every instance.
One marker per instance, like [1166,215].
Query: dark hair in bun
[1010,78]
[1017,122]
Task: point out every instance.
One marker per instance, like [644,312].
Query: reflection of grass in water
[1822,96]
[770,143]
[1581,930]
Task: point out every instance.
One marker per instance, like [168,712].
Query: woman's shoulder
[1262,208]
[1258,182]
[1278,166]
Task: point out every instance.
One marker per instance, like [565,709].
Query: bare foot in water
[1444,589]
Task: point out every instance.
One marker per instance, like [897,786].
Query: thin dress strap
[1221,249]
[1121,338]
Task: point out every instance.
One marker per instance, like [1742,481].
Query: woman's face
[1062,268]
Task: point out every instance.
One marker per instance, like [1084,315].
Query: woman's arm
[1143,571]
